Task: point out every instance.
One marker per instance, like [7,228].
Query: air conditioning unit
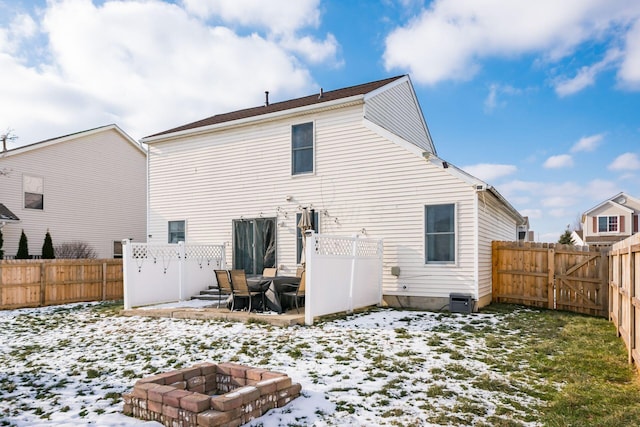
[461,303]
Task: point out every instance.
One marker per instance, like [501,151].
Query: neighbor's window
[607,224]
[302,148]
[33,188]
[117,248]
[176,231]
[440,233]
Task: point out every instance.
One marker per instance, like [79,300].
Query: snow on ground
[68,366]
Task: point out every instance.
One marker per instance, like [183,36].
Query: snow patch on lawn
[68,366]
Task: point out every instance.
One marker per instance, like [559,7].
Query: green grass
[584,355]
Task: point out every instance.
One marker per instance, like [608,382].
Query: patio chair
[241,289]
[298,293]
[224,285]
[269,272]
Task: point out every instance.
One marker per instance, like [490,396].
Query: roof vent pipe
[321,93]
[266,98]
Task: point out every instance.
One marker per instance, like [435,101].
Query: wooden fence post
[43,285]
[495,286]
[551,278]
[104,281]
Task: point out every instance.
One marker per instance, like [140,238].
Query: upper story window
[302,148]
[176,231]
[440,234]
[607,224]
[33,188]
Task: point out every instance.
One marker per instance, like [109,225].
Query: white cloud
[277,16]
[560,161]
[597,190]
[586,76]
[492,101]
[488,172]
[450,39]
[626,161]
[531,213]
[103,62]
[629,73]
[281,19]
[587,143]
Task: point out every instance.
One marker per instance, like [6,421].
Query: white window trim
[456,255]
[24,177]
[607,231]
[313,165]
[185,229]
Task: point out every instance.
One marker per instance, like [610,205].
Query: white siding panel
[94,192]
[361,181]
[494,223]
[396,111]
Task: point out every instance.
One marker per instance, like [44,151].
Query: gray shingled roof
[6,214]
[284,105]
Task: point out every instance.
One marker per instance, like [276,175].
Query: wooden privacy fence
[35,283]
[624,289]
[549,275]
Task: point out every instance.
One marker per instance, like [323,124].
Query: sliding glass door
[254,244]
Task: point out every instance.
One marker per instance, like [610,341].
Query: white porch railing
[155,274]
[342,274]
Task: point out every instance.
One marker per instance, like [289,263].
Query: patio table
[273,287]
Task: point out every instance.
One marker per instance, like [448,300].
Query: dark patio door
[254,244]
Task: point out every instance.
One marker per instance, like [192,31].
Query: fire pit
[209,395]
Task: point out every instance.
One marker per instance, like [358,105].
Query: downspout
[476,243]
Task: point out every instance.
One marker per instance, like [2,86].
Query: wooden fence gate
[549,275]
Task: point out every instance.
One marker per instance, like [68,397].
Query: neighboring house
[610,221]
[577,236]
[85,187]
[524,234]
[362,159]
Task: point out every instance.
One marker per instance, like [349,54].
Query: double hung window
[440,234]
[607,224]
[33,188]
[302,148]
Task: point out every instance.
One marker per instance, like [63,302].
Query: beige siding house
[86,187]
[612,220]
[362,159]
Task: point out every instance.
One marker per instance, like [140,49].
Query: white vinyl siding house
[367,179]
[86,187]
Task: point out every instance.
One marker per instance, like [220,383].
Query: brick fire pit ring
[209,395]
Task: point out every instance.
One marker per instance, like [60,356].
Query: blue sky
[540,99]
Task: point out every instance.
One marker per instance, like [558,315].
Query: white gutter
[356,99]
[477,183]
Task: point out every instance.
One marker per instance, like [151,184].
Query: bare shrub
[74,250]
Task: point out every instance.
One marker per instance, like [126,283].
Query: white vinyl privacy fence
[155,274]
[342,274]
